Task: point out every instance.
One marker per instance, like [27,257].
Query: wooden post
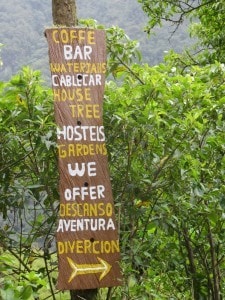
[64,13]
[87,238]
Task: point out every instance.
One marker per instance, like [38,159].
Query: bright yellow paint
[83,269]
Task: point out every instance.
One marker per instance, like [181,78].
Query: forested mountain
[22,23]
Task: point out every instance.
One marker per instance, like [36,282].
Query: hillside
[22,23]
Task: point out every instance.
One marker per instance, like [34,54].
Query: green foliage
[206,18]
[208,31]
[22,24]
[29,281]
[165,138]
[159,10]
[28,187]
[27,149]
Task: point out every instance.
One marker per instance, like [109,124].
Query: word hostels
[81,133]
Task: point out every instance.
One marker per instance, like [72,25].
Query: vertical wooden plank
[87,237]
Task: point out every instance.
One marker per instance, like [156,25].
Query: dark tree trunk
[64,14]
[84,295]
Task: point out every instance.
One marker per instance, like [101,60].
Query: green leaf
[26,293]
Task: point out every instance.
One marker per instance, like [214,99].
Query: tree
[206,18]
[64,14]
[167,177]
[165,138]
[28,187]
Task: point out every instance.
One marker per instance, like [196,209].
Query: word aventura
[85,224]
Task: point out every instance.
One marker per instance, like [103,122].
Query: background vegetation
[165,136]
[22,24]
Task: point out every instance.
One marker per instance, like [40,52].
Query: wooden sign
[87,237]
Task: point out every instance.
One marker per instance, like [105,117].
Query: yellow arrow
[102,268]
